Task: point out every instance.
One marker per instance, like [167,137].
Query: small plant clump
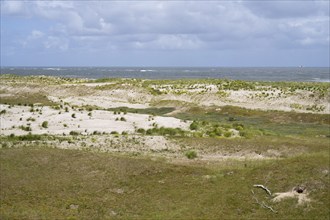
[44,124]
[73,115]
[228,134]
[74,133]
[191,154]
[3,111]
[193,126]
[25,128]
[96,133]
[30,119]
[141,131]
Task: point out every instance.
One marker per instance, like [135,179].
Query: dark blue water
[306,74]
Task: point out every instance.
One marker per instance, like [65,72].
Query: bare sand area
[68,107]
[82,121]
[298,97]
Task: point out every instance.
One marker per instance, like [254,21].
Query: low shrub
[29,137]
[30,119]
[44,124]
[193,126]
[74,133]
[25,128]
[191,154]
[96,133]
[227,134]
[141,131]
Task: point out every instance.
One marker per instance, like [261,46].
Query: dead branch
[263,204]
[268,207]
[264,188]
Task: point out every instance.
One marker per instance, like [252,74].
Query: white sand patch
[101,121]
[99,101]
[236,156]
[302,197]
[92,84]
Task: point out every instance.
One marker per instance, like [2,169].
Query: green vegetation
[86,185]
[149,111]
[30,119]
[191,154]
[163,131]
[75,133]
[256,123]
[3,111]
[25,128]
[193,126]
[44,124]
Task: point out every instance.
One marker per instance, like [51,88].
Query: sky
[165,33]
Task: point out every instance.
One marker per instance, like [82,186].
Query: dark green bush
[74,133]
[25,128]
[44,124]
[141,131]
[191,154]
[193,126]
[227,134]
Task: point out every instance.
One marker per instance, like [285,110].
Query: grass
[191,154]
[163,131]
[257,122]
[26,99]
[150,111]
[86,185]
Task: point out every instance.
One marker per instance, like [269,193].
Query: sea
[300,74]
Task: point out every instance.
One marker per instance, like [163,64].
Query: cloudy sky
[165,33]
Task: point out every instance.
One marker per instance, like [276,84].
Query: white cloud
[180,25]
[35,34]
[56,43]
[11,7]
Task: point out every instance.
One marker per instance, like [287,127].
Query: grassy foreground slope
[45,183]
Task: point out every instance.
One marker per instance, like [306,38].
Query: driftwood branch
[264,188]
[262,204]
[268,207]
